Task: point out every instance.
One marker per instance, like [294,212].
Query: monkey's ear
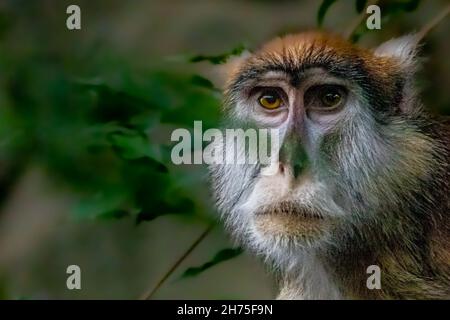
[226,70]
[404,49]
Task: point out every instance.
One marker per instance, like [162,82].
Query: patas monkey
[363,173]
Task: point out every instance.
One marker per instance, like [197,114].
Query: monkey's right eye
[270,100]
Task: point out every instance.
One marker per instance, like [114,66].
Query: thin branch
[433,23]
[148,295]
[354,25]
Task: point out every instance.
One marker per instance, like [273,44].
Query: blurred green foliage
[101,126]
[97,134]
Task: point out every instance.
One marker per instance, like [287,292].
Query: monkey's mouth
[289,220]
[292,209]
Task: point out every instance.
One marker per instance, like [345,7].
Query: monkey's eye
[270,99]
[327,97]
[331,98]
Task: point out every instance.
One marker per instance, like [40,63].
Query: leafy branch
[221,256]
[148,295]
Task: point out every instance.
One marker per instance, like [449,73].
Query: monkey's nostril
[281,168]
[297,170]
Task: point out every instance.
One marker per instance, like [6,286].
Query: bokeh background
[85,121]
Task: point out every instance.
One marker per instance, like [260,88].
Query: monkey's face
[349,145]
[294,203]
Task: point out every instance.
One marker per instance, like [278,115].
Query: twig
[419,36]
[148,295]
[358,20]
[433,23]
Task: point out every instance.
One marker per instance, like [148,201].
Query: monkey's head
[353,143]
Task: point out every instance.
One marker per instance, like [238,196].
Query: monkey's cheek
[291,227]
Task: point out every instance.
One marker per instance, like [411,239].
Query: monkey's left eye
[331,98]
[326,97]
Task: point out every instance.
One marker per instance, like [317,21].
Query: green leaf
[326,4]
[149,163]
[135,147]
[396,7]
[218,59]
[132,145]
[358,33]
[163,207]
[203,82]
[360,5]
[103,205]
[221,256]
[409,6]
[114,214]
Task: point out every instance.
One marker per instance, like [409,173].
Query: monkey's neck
[309,279]
[405,273]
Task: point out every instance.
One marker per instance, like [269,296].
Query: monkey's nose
[294,156]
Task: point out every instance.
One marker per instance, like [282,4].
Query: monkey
[362,176]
